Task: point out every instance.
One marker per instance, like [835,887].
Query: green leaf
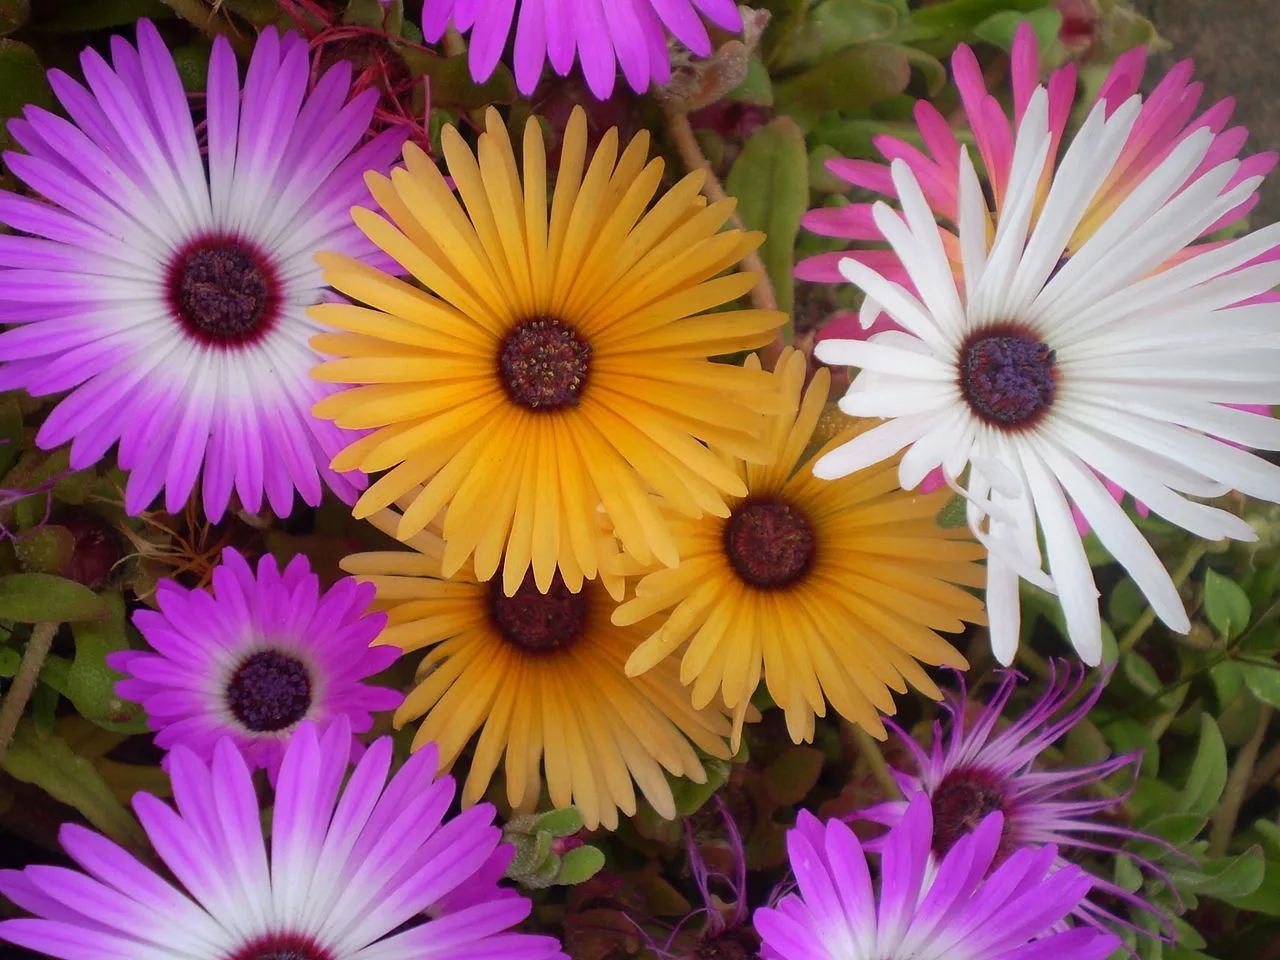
[1266,898]
[451,85]
[559,823]
[1226,878]
[42,597]
[853,79]
[790,778]
[952,516]
[756,88]
[1178,829]
[91,683]
[1227,679]
[1000,28]
[48,763]
[1263,682]
[22,81]
[13,15]
[836,25]
[101,14]
[1208,777]
[10,660]
[579,865]
[1225,604]
[690,796]
[1125,604]
[771,181]
[940,26]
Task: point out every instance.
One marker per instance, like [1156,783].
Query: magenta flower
[344,871]
[976,770]
[1167,118]
[172,302]
[952,910]
[255,658]
[603,34]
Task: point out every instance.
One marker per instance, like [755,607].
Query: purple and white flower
[171,300]
[256,657]
[348,875]
[977,769]
[603,34]
[955,910]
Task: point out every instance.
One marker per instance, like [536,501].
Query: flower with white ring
[1034,376]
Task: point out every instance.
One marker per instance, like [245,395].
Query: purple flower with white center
[603,34]
[348,874]
[976,770]
[256,657]
[172,302]
[954,911]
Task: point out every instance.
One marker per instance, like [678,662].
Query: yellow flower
[831,589]
[561,363]
[541,677]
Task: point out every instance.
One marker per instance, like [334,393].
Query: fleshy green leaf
[1000,28]
[1263,682]
[452,87]
[952,515]
[101,14]
[559,823]
[91,683]
[1208,777]
[10,660]
[579,864]
[771,181]
[42,597]
[1226,878]
[690,796]
[48,763]
[1225,604]
[22,82]
[853,79]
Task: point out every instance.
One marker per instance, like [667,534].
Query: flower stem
[1148,617]
[686,144]
[870,749]
[1233,797]
[24,682]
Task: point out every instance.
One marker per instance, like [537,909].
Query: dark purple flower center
[1008,376]
[223,292]
[282,946]
[538,622]
[543,364]
[269,691]
[769,543]
[963,799]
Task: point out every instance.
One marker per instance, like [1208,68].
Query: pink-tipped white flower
[952,910]
[1078,336]
[170,299]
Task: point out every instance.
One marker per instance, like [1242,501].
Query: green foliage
[42,597]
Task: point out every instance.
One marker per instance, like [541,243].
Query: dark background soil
[1234,45]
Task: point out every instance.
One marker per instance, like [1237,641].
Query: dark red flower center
[223,292]
[1008,376]
[538,622]
[963,799]
[543,364]
[269,691]
[282,946]
[769,543]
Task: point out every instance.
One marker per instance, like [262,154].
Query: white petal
[877,444]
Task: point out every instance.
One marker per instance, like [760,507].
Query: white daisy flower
[1046,375]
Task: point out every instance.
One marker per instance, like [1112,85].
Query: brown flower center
[543,364]
[963,799]
[1008,376]
[223,292]
[769,543]
[538,622]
